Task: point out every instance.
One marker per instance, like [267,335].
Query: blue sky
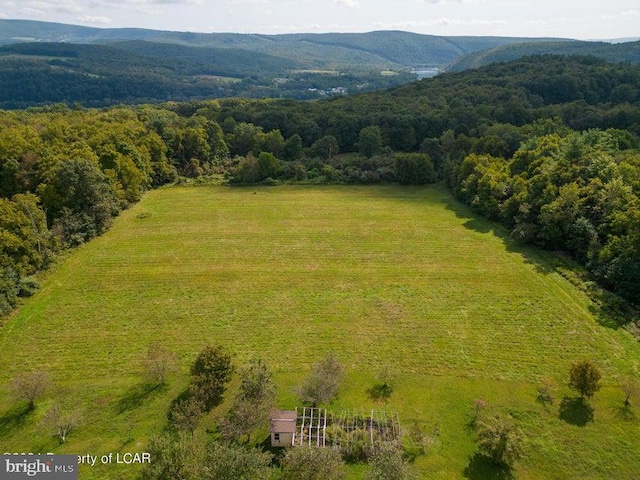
[581,19]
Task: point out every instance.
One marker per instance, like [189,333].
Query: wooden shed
[283,427]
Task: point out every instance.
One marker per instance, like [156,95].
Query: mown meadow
[402,278]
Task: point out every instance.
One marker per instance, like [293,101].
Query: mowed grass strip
[401,277]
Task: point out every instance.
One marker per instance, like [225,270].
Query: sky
[579,19]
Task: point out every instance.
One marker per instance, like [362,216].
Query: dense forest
[548,146]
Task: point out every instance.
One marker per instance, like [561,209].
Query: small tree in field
[499,440]
[158,363]
[60,422]
[630,388]
[584,377]
[185,414]
[383,388]
[545,393]
[173,456]
[322,384]
[479,404]
[31,386]
[388,464]
[253,403]
[209,376]
[234,462]
[312,463]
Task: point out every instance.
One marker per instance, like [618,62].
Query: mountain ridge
[384,48]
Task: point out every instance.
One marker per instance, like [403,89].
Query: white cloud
[62,6]
[150,10]
[94,20]
[554,21]
[124,3]
[348,3]
[245,2]
[413,25]
[449,2]
[314,27]
[33,11]
[67,6]
[3,15]
[627,14]
[175,2]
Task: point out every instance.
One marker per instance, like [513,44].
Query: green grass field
[384,276]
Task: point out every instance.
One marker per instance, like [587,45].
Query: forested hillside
[546,145]
[34,74]
[614,53]
[383,49]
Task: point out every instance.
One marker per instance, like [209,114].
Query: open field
[384,276]
[218,78]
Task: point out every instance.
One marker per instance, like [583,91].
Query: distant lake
[425,72]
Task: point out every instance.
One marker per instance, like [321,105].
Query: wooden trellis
[311,427]
[350,431]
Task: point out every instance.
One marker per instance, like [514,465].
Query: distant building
[283,428]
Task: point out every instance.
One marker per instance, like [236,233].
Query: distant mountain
[14,31]
[616,53]
[384,49]
[44,62]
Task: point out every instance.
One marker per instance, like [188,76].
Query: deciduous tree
[209,375]
[293,147]
[232,462]
[185,414]
[584,377]
[370,141]
[325,147]
[158,362]
[31,386]
[500,440]
[321,386]
[253,403]
[389,464]
[630,388]
[59,421]
[414,169]
[312,463]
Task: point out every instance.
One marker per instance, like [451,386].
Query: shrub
[499,440]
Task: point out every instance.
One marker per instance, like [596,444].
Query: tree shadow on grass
[625,413]
[576,411]
[476,222]
[14,418]
[380,392]
[136,395]
[472,424]
[483,468]
[609,309]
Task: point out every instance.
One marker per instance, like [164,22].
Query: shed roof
[283,421]
[285,415]
[283,426]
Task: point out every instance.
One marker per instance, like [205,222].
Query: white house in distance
[283,428]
